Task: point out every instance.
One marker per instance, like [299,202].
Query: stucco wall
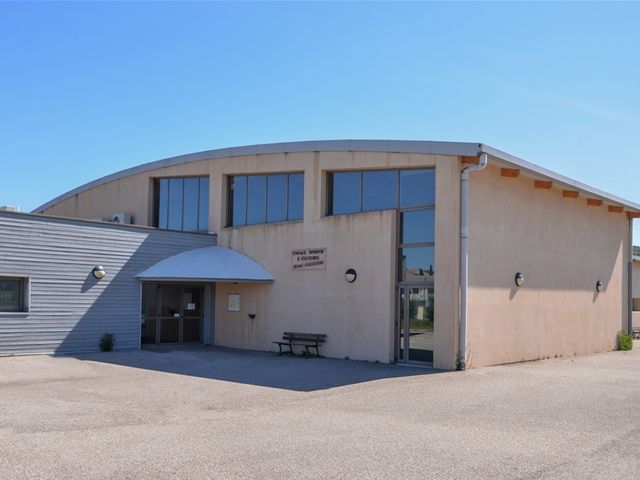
[563,247]
[365,242]
[356,317]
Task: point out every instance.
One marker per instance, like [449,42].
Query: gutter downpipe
[630,280]
[461,361]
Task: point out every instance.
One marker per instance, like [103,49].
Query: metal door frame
[159,317]
[399,320]
[407,286]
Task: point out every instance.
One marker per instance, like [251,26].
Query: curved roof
[208,264]
[465,149]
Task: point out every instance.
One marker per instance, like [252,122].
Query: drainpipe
[461,362]
[630,281]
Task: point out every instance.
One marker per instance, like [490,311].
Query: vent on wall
[121,218]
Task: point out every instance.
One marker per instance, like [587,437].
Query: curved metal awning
[208,264]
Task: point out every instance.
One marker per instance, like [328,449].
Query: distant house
[449,254]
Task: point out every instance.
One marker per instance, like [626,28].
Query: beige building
[457,253]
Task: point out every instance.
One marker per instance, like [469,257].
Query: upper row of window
[183,203]
[370,190]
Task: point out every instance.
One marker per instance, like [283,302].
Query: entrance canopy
[208,264]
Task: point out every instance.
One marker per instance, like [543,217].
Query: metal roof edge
[203,280]
[395,146]
[513,161]
[399,146]
[72,220]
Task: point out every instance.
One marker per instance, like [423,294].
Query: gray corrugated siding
[69,310]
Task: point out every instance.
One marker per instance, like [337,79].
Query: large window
[369,190]
[182,204]
[416,252]
[13,294]
[254,199]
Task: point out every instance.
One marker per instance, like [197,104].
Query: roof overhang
[458,149]
[504,159]
[206,265]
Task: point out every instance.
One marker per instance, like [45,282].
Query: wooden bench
[306,340]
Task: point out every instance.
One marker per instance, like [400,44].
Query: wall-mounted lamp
[252,316]
[519,279]
[350,275]
[599,286]
[98,272]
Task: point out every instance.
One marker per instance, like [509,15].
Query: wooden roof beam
[510,172]
[543,184]
[570,193]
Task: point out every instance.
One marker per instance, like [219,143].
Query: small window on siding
[13,294]
[636,304]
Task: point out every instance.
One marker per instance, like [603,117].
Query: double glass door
[171,314]
[415,324]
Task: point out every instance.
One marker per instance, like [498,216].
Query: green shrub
[624,341]
[107,341]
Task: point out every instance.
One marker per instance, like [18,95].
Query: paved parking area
[209,413]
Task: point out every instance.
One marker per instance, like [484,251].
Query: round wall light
[519,279]
[599,286]
[350,275]
[98,272]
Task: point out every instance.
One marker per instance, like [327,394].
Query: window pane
[417,264]
[239,206]
[276,198]
[256,199]
[346,192]
[379,190]
[203,205]
[296,196]
[163,202]
[190,211]
[10,295]
[175,204]
[417,187]
[418,226]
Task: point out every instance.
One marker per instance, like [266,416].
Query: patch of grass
[107,342]
[624,341]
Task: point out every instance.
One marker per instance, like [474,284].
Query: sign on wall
[309,259]
[233,302]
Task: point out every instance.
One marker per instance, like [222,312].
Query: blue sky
[91,88]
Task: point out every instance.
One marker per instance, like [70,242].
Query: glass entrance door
[191,314]
[170,316]
[415,324]
[171,313]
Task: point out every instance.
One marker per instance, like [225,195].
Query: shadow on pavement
[257,368]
